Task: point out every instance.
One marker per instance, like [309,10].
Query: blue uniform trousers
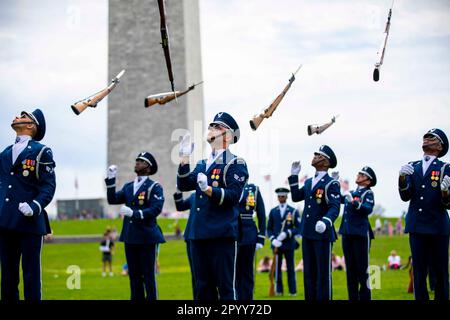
[14,246]
[290,266]
[245,271]
[191,266]
[214,263]
[141,259]
[430,251]
[317,269]
[356,252]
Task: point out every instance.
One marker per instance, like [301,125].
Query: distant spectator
[394,260]
[390,229]
[378,226]
[113,234]
[264,264]
[385,227]
[177,229]
[107,248]
[299,267]
[337,263]
[399,227]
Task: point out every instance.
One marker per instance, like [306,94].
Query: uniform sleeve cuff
[218,195]
[110,182]
[328,220]
[36,207]
[183,170]
[293,180]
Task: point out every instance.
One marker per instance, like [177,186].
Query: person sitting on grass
[394,261]
[337,263]
[265,264]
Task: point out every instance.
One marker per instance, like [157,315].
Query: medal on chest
[319,195]
[141,198]
[250,203]
[434,178]
[215,176]
[289,219]
[27,166]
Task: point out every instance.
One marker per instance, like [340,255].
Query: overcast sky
[249,49]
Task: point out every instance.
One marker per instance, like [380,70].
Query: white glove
[282,236]
[445,183]
[112,172]
[186,147]
[276,243]
[202,181]
[25,209]
[321,226]
[259,246]
[335,175]
[295,168]
[348,196]
[407,169]
[126,211]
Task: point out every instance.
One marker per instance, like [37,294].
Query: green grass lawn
[174,278]
[82,227]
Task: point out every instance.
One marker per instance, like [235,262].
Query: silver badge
[26,173]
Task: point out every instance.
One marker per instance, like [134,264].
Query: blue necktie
[17,139]
[427,158]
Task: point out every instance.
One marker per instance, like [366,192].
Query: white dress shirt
[138,182]
[427,160]
[213,157]
[282,209]
[319,175]
[19,146]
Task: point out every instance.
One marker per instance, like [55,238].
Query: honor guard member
[322,203]
[282,228]
[218,183]
[182,205]
[425,184]
[357,234]
[27,186]
[143,199]
[251,239]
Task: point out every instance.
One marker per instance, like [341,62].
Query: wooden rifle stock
[163,98]
[319,129]
[274,265]
[272,273]
[92,101]
[267,113]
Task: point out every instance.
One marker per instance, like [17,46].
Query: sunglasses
[216,126]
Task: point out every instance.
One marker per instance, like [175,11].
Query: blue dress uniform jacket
[291,228]
[30,179]
[427,212]
[321,203]
[252,201]
[147,204]
[355,220]
[183,205]
[216,216]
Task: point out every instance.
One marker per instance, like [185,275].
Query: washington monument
[134,45]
